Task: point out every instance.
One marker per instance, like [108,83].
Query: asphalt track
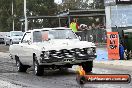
[10,78]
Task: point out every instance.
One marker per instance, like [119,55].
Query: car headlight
[89,51]
[44,54]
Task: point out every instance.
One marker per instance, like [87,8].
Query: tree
[34,8]
[97,4]
[81,4]
[5,15]
[70,4]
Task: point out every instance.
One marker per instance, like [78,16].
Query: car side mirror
[49,39]
[28,42]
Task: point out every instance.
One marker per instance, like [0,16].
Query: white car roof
[57,28]
[61,28]
[52,29]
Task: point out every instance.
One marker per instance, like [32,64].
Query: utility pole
[25,16]
[12,16]
[59,22]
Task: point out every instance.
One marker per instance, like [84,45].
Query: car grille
[67,55]
[76,52]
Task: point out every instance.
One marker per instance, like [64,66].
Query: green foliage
[5,13]
[38,8]
[97,4]
[81,4]
[34,8]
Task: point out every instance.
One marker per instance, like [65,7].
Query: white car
[52,48]
[2,37]
[14,37]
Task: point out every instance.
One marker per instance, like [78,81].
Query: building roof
[128,30]
[80,13]
[72,13]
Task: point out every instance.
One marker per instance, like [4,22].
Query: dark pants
[121,52]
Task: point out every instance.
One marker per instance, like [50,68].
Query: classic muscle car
[54,48]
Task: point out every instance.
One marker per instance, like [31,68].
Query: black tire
[11,42]
[87,66]
[38,69]
[20,66]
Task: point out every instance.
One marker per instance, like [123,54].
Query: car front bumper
[65,61]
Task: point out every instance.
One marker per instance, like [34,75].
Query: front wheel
[20,66]
[87,66]
[38,69]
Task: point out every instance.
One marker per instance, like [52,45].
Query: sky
[58,1]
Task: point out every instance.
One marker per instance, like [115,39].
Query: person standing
[74,25]
[121,51]
[84,28]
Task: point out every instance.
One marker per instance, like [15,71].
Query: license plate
[68,60]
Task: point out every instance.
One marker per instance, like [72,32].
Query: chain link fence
[94,35]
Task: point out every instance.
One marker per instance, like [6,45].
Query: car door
[26,50]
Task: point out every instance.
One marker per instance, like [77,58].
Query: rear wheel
[87,66]
[38,69]
[11,42]
[20,66]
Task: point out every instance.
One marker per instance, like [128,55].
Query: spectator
[121,51]
[74,25]
[84,28]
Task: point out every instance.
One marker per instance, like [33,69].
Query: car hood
[63,44]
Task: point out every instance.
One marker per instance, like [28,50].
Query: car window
[37,36]
[26,38]
[45,35]
[16,33]
[62,34]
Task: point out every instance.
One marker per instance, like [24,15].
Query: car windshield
[39,36]
[16,33]
[61,34]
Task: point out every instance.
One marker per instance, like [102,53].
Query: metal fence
[93,35]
